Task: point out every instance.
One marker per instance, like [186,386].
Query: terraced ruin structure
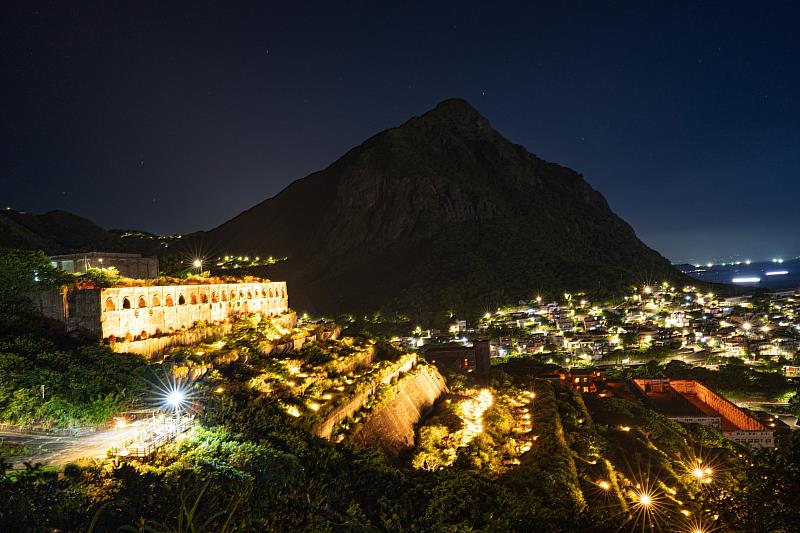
[137,312]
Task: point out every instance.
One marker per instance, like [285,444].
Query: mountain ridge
[55,232]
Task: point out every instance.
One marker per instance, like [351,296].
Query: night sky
[172,119]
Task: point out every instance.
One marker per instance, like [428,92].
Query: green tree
[24,271]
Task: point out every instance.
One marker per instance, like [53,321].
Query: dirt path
[59,450]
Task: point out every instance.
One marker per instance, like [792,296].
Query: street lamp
[198,264]
[176,398]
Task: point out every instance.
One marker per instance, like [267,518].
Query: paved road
[59,450]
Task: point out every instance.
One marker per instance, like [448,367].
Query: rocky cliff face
[441,212]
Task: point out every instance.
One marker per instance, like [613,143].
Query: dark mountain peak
[440,211]
[454,108]
[455,114]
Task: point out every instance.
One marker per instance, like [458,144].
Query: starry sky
[173,118]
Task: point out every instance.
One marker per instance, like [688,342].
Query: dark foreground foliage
[253,468]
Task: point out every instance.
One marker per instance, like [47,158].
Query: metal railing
[161,435]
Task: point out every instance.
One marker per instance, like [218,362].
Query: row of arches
[144,335]
[141,303]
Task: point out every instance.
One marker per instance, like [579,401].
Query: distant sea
[766,275]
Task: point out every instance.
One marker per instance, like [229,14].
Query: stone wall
[325,428]
[391,429]
[155,346]
[309,334]
[140,312]
[78,310]
[52,303]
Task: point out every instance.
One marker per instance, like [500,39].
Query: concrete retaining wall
[157,345]
[325,428]
[391,428]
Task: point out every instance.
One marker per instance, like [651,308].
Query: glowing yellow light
[625,428]
[197,263]
[698,473]
[605,485]
[219,390]
[644,499]
[313,406]
[293,411]
[473,410]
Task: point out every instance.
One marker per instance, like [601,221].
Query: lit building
[457,357]
[129,265]
[691,402]
[584,380]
